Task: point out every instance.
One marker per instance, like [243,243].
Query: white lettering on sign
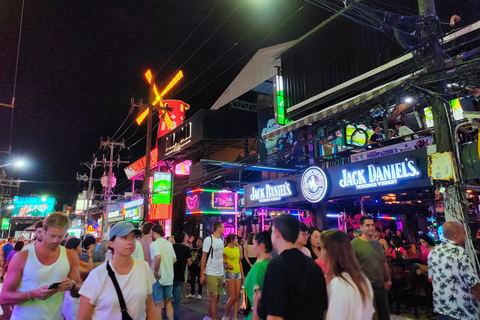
[177,140]
[379,176]
[271,192]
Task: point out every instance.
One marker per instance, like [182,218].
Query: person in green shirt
[262,245]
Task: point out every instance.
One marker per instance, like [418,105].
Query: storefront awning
[339,107]
[228,164]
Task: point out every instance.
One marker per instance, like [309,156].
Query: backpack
[210,251]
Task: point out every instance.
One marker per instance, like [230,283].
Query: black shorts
[255,221]
[243,223]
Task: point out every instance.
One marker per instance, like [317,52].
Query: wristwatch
[74,284]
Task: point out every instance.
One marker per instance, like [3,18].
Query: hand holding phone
[54,285]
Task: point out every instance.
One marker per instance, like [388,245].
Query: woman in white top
[99,299]
[350,294]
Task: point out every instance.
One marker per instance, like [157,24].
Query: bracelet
[29,298]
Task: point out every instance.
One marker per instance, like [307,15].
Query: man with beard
[38,236]
[38,276]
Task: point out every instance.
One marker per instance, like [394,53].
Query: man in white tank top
[38,277]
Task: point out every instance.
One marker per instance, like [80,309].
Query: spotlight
[408,100]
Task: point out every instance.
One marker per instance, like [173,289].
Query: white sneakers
[225,318]
[190,296]
[199,297]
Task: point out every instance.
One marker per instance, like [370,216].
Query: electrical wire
[18,53]
[218,59]
[129,113]
[191,33]
[241,58]
[211,35]
[156,125]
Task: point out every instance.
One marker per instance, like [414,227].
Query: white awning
[341,106]
[259,69]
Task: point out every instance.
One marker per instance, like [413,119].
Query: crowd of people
[288,272]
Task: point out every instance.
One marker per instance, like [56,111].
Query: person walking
[184,259]
[38,276]
[262,245]
[16,248]
[146,241]
[294,285]
[163,257]
[195,270]
[6,249]
[249,254]
[211,268]
[373,263]
[302,240]
[122,286]
[38,235]
[456,287]
[350,293]
[233,276]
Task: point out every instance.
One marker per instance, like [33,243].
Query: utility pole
[111,179]
[90,180]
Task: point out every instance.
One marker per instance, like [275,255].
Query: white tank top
[36,275]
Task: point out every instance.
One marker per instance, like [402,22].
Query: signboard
[162,188]
[178,140]
[5,223]
[407,170]
[159,211]
[133,210]
[223,200]
[32,206]
[389,150]
[172,119]
[271,192]
[138,167]
[183,168]
[81,205]
[314,184]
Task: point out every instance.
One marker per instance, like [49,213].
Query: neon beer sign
[271,192]
[378,176]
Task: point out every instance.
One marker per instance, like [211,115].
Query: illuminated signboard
[272,192]
[159,211]
[381,175]
[192,201]
[314,184]
[81,205]
[115,216]
[33,206]
[138,167]
[223,200]
[162,188]
[5,223]
[178,140]
[183,168]
[133,210]
[172,119]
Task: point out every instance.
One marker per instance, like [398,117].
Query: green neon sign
[5,224]
[162,188]
[280,107]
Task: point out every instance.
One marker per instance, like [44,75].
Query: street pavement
[197,309]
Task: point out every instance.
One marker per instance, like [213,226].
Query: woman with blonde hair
[350,293]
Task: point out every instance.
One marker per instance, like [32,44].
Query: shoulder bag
[121,300]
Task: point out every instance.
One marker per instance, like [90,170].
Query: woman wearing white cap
[121,288]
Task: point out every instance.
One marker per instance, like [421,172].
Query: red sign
[159,211]
[172,119]
[138,167]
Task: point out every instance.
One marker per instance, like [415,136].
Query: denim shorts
[161,292]
[233,276]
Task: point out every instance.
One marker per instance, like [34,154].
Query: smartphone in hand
[54,285]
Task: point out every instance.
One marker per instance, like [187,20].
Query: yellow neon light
[148,76]
[155,90]
[174,81]
[142,116]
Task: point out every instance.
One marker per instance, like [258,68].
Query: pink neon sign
[192,202]
[183,168]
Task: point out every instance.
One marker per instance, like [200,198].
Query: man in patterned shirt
[456,288]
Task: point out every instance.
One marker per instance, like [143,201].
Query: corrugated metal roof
[260,68]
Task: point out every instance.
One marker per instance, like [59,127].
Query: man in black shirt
[294,286]
[184,259]
[377,136]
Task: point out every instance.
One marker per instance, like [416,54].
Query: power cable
[211,35]
[218,76]
[218,59]
[188,37]
[156,125]
[129,113]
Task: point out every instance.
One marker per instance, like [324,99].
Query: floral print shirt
[453,276]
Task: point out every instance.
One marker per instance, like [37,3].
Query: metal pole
[146,177]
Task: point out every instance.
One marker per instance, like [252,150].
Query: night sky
[81,61]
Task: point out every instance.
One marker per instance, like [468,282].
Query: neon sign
[183,168]
[174,81]
[142,116]
[271,192]
[178,140]
[192,202]
[138,166]
[380,175]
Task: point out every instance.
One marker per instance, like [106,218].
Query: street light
[17,164]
